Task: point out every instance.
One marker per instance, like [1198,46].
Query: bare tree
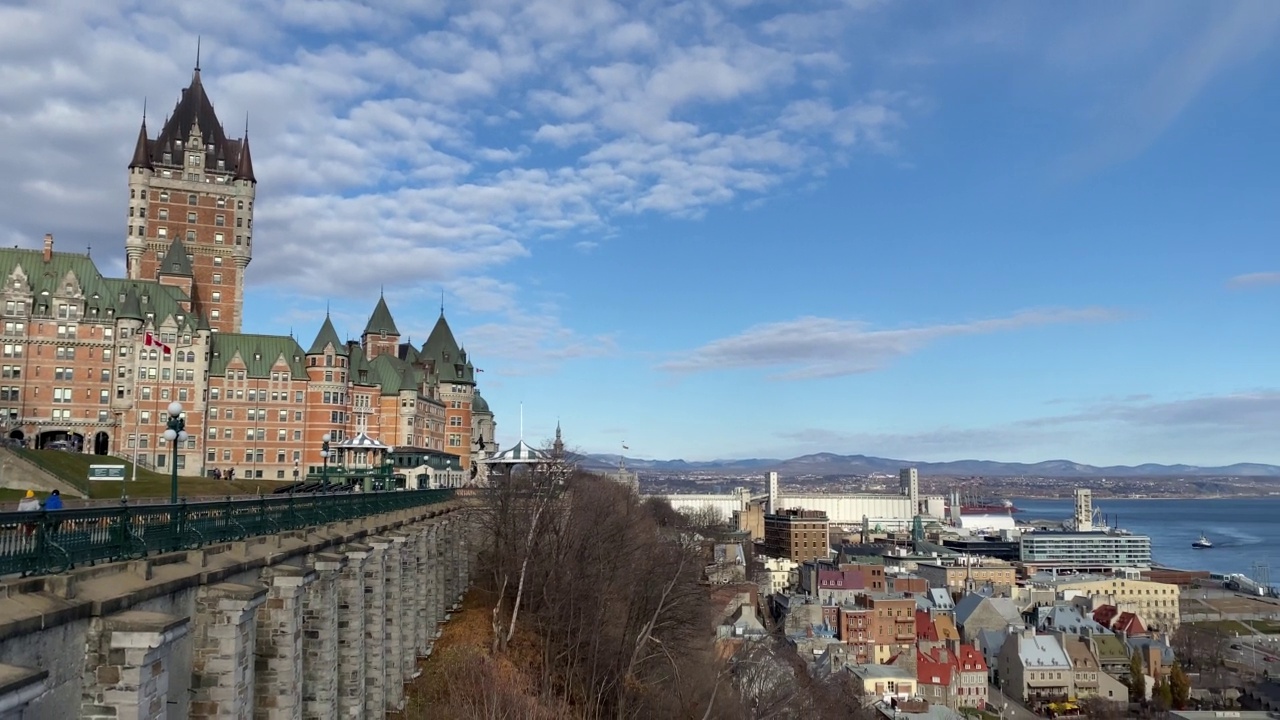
[706,517]
[1199,647]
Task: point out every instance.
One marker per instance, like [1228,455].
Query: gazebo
[522,453]
[360,453]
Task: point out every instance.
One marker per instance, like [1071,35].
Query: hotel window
[191,237]
[217,262]
[217,278]
[192,200]
[217,297]
[162,232]
[215,314]
[220,202]
[219,220]
[218,238]
[162,214]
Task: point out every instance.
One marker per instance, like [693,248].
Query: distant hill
[834,464]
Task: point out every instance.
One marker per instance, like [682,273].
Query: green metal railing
[41,543]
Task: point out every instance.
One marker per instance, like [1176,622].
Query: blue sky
[732,228]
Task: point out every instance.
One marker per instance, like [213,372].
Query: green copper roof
[260,353]
[175,261]
[479,404]
[155,302]
[325,337]
[380,321]
[389,372]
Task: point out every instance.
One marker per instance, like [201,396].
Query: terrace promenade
[285,606]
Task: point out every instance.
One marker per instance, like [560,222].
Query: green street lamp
[176,434]
[324,459]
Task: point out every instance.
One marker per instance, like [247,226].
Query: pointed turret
[409,379]
[380,322]
[175,261]
[142,151]
[244,163]
[440,344]
[327,336]
[131,308]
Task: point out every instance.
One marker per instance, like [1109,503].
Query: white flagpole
[136,439]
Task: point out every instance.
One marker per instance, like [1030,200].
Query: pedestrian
[52,503]
[29,504]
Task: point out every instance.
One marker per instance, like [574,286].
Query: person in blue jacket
[54,501]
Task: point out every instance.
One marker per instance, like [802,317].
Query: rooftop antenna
[441,302]
[197,53]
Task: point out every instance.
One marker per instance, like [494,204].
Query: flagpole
[136,413]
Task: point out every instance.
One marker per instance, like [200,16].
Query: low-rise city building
[1034,668]
[893,623]
[964,573]
[1084,551]
[884,682]
[976,612]
[797,534]
[1156,603]
[777,574]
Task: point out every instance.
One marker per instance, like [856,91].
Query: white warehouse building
[890,512]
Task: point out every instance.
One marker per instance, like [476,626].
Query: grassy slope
[74,468]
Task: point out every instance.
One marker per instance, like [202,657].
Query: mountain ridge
[828,463]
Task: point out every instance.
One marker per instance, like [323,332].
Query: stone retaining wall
[325,624]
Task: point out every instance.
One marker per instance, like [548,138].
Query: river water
[1244,531]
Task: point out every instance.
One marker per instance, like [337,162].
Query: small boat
[1202,544]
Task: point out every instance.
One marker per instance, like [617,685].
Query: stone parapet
[320,638]
[224,644]
[278,673]
[351,633]
[127,665]
[375,627]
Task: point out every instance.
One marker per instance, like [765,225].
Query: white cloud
[814,347]
[399,133]
[1257,279]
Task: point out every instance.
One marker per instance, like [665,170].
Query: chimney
[48,247]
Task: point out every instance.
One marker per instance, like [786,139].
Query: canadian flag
[152,341]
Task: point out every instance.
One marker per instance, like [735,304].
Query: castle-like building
[92,363]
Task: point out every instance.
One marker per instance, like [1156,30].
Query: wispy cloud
[1249,280]
[815,347]
[1207,430]
[1251,411]
[1223,35]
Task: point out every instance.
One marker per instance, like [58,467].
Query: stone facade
[126,665]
